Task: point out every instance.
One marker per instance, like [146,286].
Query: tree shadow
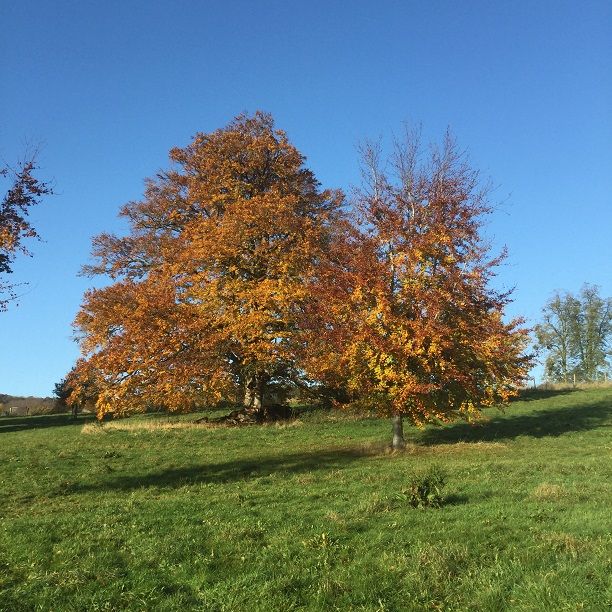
[529,395]
[43,421]
[232,471]
[455,500]
[537,424]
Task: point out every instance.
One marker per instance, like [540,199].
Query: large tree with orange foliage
[208,288]
[409,320]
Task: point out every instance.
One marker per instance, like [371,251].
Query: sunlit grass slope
[147,514]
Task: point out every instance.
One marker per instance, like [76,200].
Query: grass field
[157,514]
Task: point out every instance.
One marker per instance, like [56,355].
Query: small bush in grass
[425,489]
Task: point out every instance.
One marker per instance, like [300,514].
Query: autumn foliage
[413,325]
[24,191]
[240,272]
[209,286]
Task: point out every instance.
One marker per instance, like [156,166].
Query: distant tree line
[18,406]
[575,336]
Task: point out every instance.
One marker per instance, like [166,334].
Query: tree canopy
[575,335]
[412,322]
[240,272]
[209,286]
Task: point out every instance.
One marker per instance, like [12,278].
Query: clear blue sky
[109,87]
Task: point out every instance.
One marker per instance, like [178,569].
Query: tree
[593,333]
[411,321]
[62,391]
[555,335]
[23,192]
[575,335]
[209,287]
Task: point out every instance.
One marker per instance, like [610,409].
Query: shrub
[425,490]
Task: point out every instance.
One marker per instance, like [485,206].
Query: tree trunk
[248,396]
[398,432]
[254,392]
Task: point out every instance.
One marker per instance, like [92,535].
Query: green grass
[310,516]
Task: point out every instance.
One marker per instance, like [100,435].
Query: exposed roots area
[237,418]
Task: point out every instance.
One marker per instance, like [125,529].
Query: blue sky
[107,88]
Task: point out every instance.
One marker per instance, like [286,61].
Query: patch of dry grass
[461,447]
[566,543]
[138,425]
[288,424]
[546,492]
[569,386]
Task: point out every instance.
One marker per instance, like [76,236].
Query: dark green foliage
[425,489]
[62,391]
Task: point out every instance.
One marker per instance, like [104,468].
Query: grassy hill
[152,513]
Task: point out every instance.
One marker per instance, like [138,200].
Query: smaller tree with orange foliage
[406,316]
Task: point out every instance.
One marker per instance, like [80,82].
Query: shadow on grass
[43,421]
[529,395]
[537,424]
[455,500]
[264,467]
